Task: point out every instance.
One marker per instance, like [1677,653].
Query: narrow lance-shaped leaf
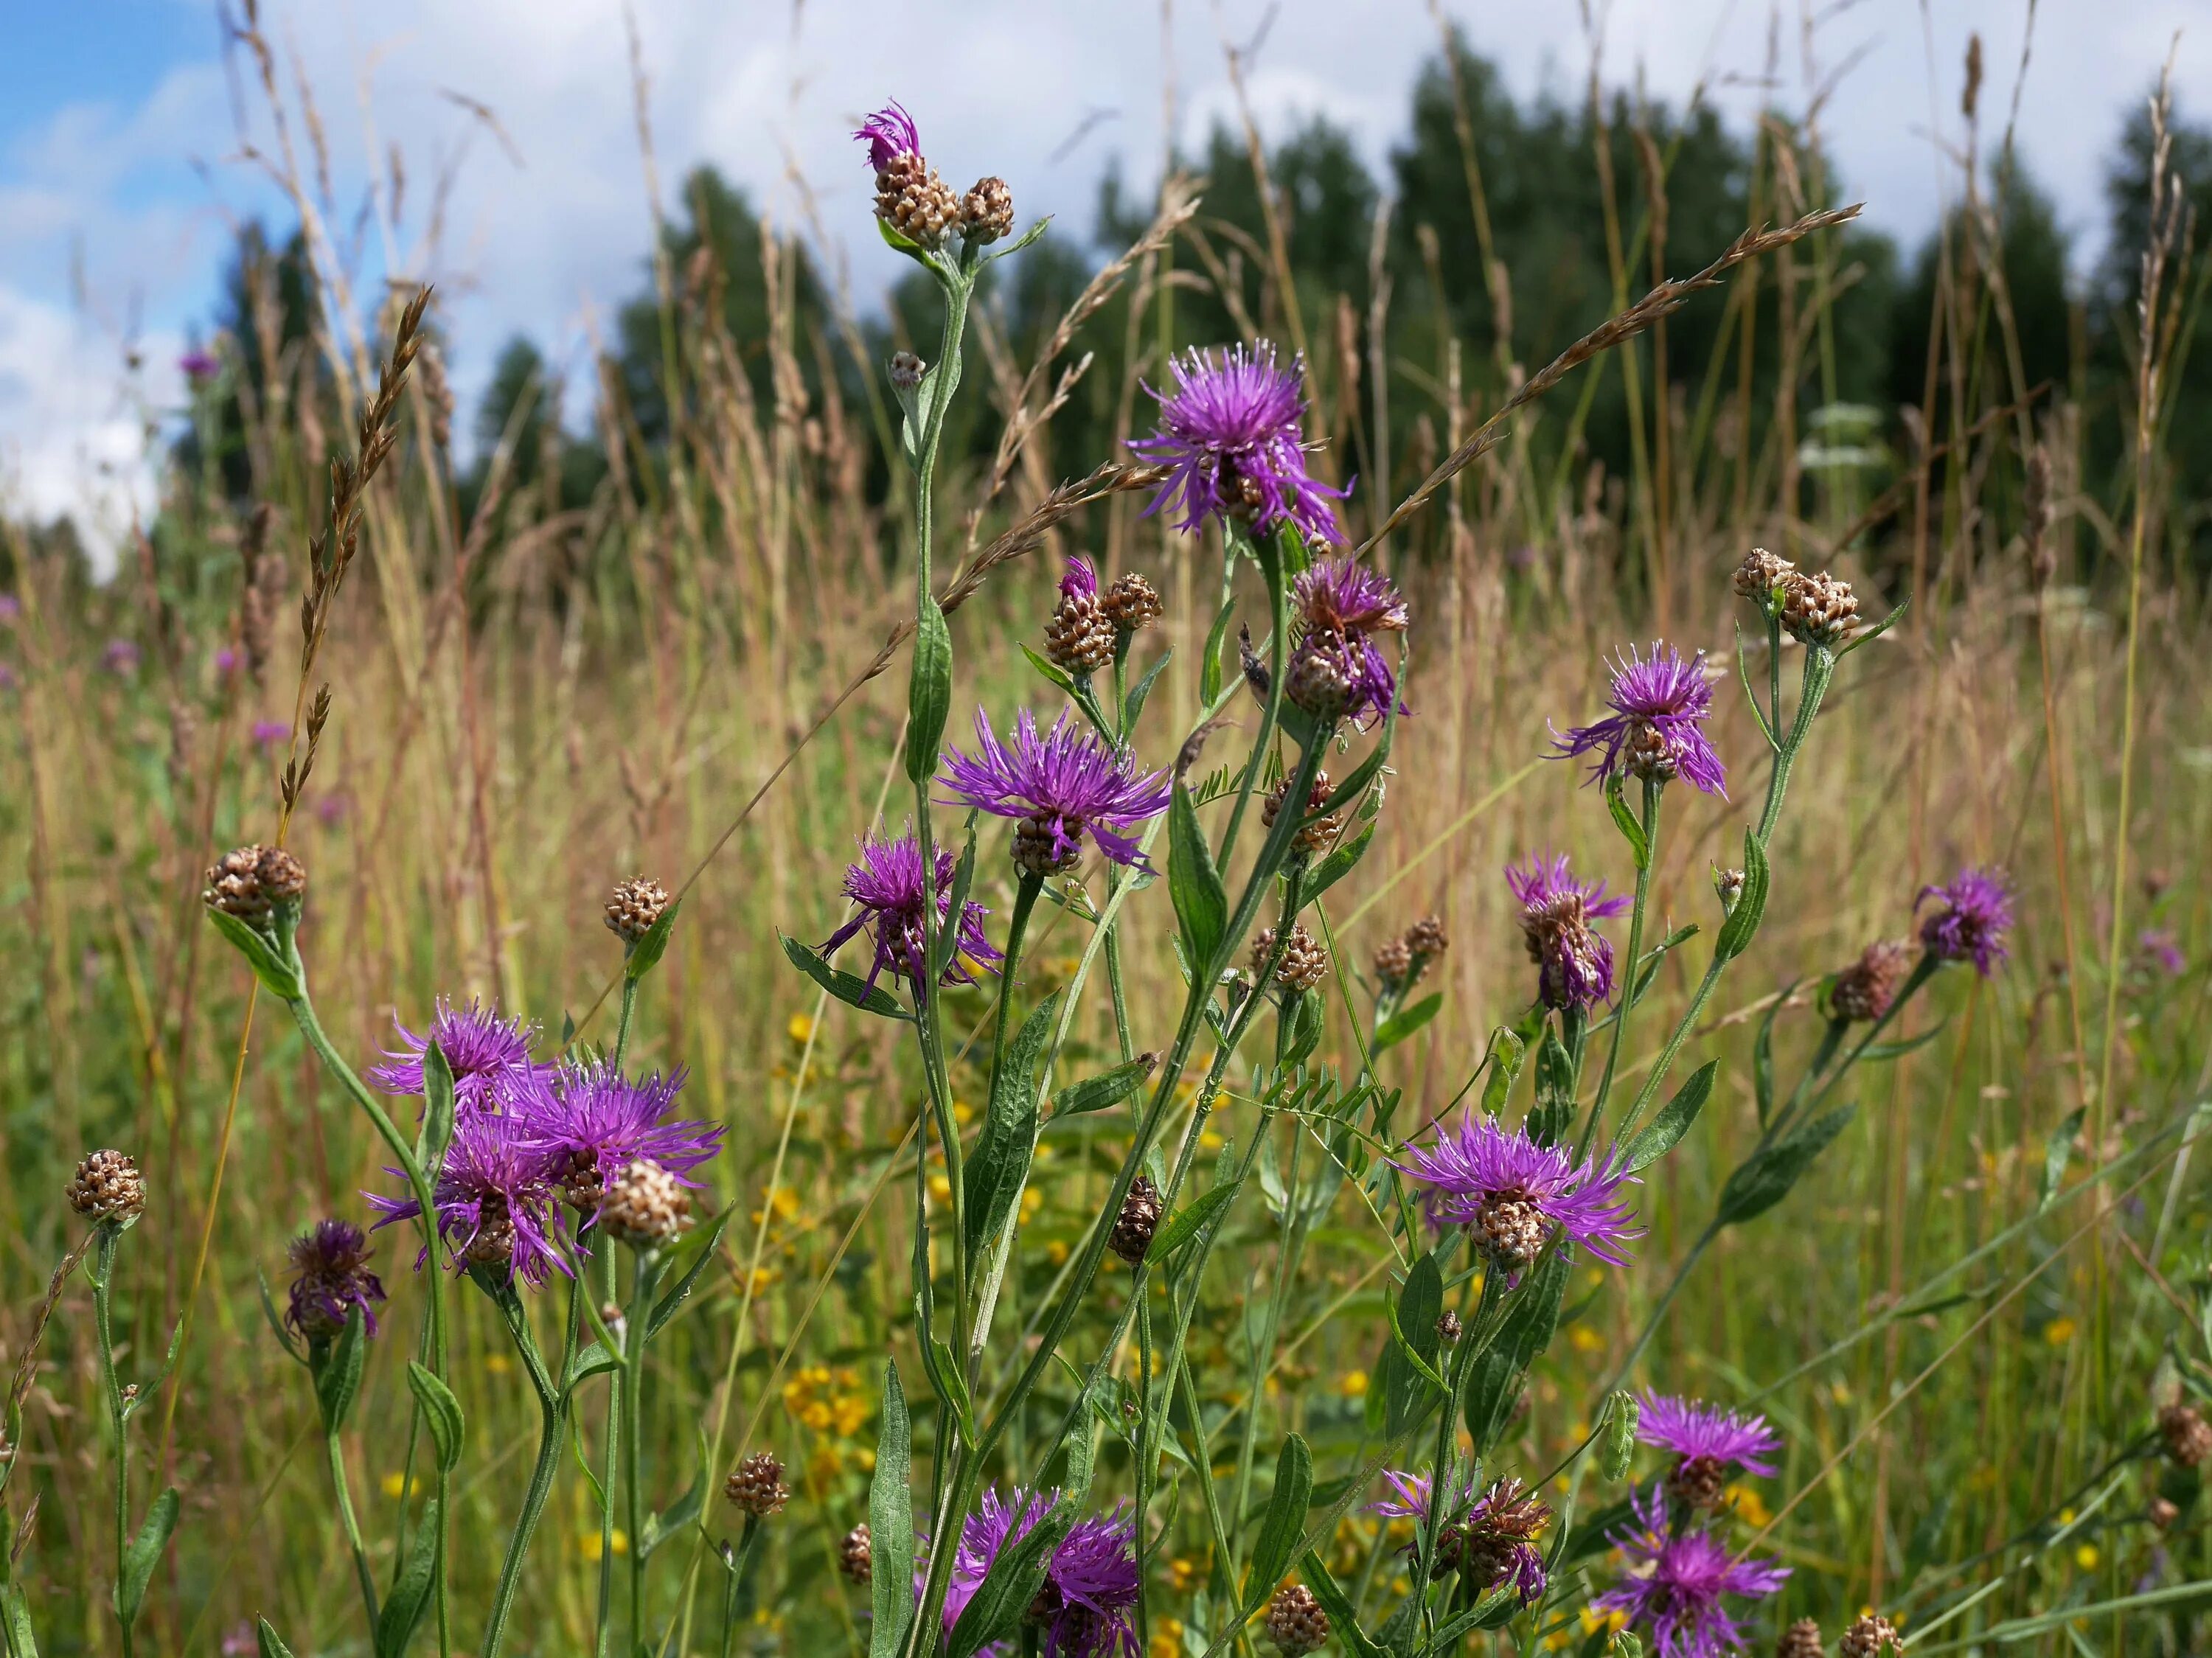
[929,690]
[1664,1131]
[1000,1163]
[890,1525]
[1765,1178]
[1283,1523]
[1195,884]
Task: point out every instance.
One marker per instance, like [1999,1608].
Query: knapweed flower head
[1974,913]
[488,1056]
[1229,434]
[1513,1192]
[889,133]
[1080,636]
[1057,785]
[495,1200]
[2158,947]
[268,733]
[886,889]
[1574,962]
[1090,1581]
[1677,1580]
[1337,670]
[330,1262]
[1487,1534]
[197,365]
[1707,1442]
[594,1122]
[1657,731]
[121,656]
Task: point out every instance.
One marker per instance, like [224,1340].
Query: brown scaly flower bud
[987,212]
[1802,1640]
[1394,963]
[1698,1482]
[2162,1513]
[914,202]
[907,370]
[1140,1218]
[1295,1623]
[1448,1327]
[1817,608]
[1130,602]
[856,1555]
[2188,1439]
[756,1486]
[1863,991]
[1079,638]
[1870,1634]
[249,882]
[1316,682]
[633,907]
[1510,1231]
[1313,836]
[1037,850]
[492,1244]
[107,1188]
[1426,938]
[1759,576]
[1304,962]
[646,1207]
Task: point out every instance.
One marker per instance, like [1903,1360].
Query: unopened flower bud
[1304,961]
[1817,608]
[1620,1448]
[914,202]
[1141,1211]
[1727,885]
[107,1189]
[987,212]
[1870,1635]
[856,1557]
[1295,1623]
[1864,990]
[756,1486]
[905,371]
[250,882]
[1313,836]
[646,1207]
[1448,1327]
[2188,1439]
[633,907]
[1761,576]
[1802,1640]
[1131,604]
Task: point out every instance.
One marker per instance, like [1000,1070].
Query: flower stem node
[633,907]
[1141,1211]
[646,1208]
[1295,1623]
[756,1486]
[107,1189]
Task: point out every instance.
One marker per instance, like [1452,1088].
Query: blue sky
[121,136]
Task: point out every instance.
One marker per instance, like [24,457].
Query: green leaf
[929,690]
[143,1553]
[277,975]
[1097,1093]
[896,238]
[945,941]
[1407,1021]
[1132,706]
[1337,863]
[338,1379]
[1875,630]
[1052,670]
[437,1107]
[1302,1027]
[1194,885]
[593,1360]
[1743,921]
[845,987]
[1765,1178]
[999,1165]
[950,1384]
[1343,1616]
[1284,1521]
[1664,1131]
[441,1411]
[1531,1317]
[1762,1056]
[1657,953]
[1210,671]
[16,1610]
[660,1528]
[1180,1230]
[1008,1587]
[652,945]
[1874,1053]
[890,1525]
[402,1607]
[272,1645]
[1619,1443]
[678,1293]
[2058,1152]
[1507,1054]
[1420,1303]
[1020,242]
[1639,844]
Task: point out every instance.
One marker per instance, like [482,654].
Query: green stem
[552,1435]
[103,1271]
[1270,559]
[1651,792]
[633,1393]
[341,1486]
[622,1025]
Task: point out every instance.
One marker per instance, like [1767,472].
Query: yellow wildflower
[1355,1385]
[593,1545]
[800,1027]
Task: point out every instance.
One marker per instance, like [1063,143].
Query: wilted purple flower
[1657,727]
[1336,671]
[225,662]
[490,1058]
[597,1122]
[887,133]
[121,656]
[1489,1536]
[1690,1428]
[1971,925]
[197,366]
[1675,1583]
[269,733]
[886,885]
[1574,963]
[1512,1192]
[2159,948]
[1055,786]
[494,1199]
[331,1259]
[1090,1581]
[1230,435]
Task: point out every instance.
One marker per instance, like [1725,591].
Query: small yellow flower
[498,1364]
[1209,1141]
[2059,1332]
[963,1113]
[1056,1252]
[940,1189]
[1166,1637]
[762,1277]
[2065,1516]
[2086,1556]
[799,1028]
[1184,1573]
[1840,1392]
[592,1543]
[1749,1506]
[1585,1340]
[1355,1385]
[1593,1621]
[394,1482]
[1032,1200]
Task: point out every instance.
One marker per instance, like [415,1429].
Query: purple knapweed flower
[1229,434]
[10,607]
[2159,948]
[1513,1192]
[1090,1581]
[495,1200]
[225,662]
[1574,963]
[1337,671]
[1488,1536]
[268,733]
[121,656]
[1676,1580]
[885,888]
[1971,925]
[597,1122]
[889,133]
[197,366]
[488,1056]
[331,1259]
[1657,727]
[1691,1428]
[1055,785]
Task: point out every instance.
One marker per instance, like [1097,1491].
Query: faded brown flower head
[2188,1438]
[1728,886]
[1817,608]
[987,212]
[1448,1327]
[856,1554]
[1130,602]
[1394,962]
[756,1486]
[1698,1482]
[107,1188]
[2161,1512]
[1304,961]
[913,201]
[907,370]
[1760,574]
[1140,1218]
[1295,1623]
[1864,990]
[645,1206]
[1870,1634]
[1079,638]
[633,907]
[1800,1640]
[1426,937]
[249,882]
[1313,836]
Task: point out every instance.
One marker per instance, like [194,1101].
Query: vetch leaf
[929,690]
[441,1410]
[1531,1318]
[1337,863]
[853,992]
[999,1165]
[1284,1523]
[1052,670]
[660,1528]
[1420,1303]
[1874,1053]
[143,1553]
[1132,706]
[1407,1021]
[1194,885]
[593,1360]
[1180,1230]
[890,1525]
[1664,1131]
[270,1643]
[1762,1056]
[1765,1179]
[1097,1093]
